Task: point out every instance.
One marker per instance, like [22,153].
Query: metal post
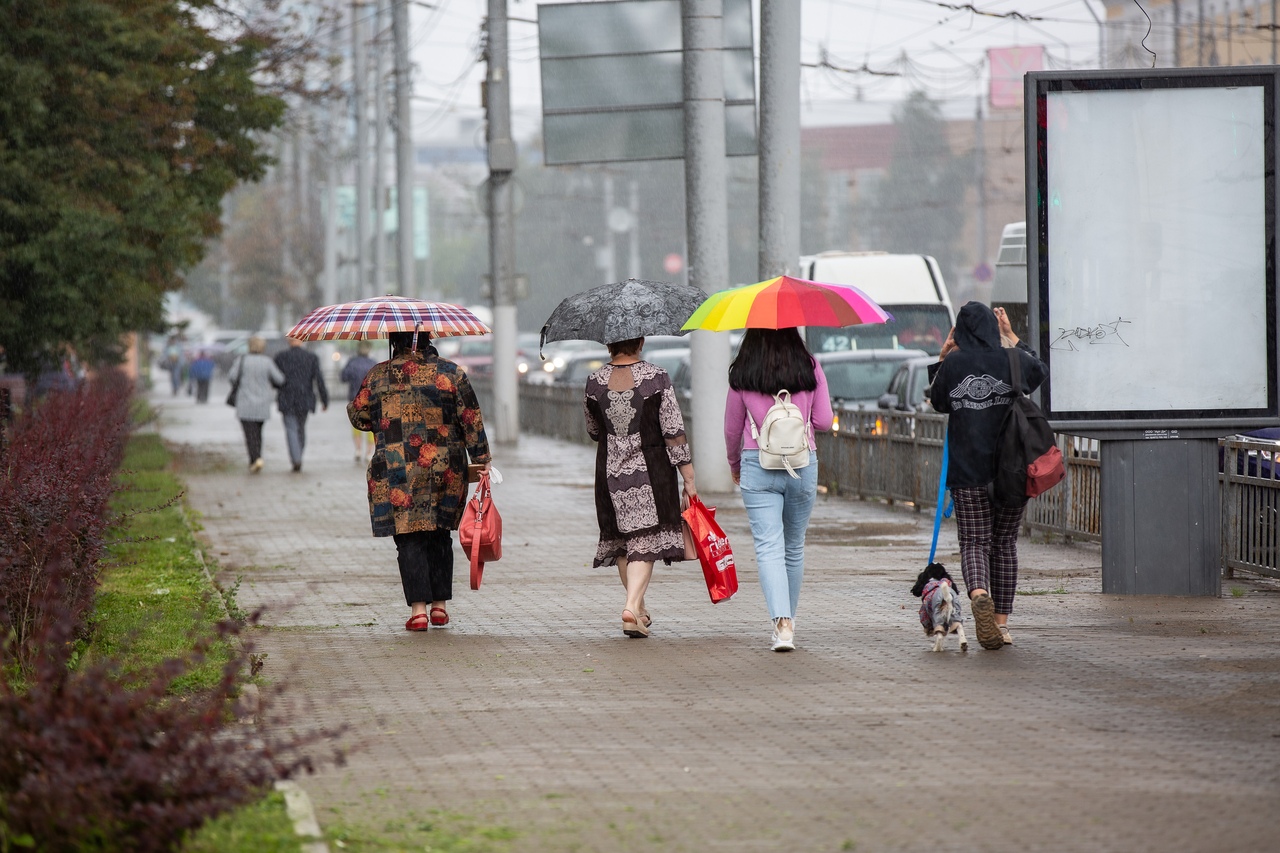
[610,242]
[405,277]
[502,250]
[706,222]
[1273,32]
[779,160]
[980,180]
[359,76]
[379,151]
[633,268]
[224,267]
[331,181]
[1177,34]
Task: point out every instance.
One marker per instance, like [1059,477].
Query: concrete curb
[300,811]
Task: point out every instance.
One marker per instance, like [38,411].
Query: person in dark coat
[297,399]
[353,373]
[973,383]
[426,422]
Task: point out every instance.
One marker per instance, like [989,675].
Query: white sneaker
[784,639]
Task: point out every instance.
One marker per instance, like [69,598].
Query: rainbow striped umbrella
[379,316]
[784,302]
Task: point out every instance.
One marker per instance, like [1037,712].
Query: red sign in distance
[672,263]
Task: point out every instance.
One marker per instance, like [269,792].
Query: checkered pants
[988,545]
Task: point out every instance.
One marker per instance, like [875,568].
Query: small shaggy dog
[940,612]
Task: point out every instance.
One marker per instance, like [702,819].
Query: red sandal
[417,622]
[441,620]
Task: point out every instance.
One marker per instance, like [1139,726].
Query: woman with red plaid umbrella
[426,422]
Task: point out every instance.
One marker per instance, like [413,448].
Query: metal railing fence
[895,456]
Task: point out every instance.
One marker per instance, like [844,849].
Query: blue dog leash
[944,506]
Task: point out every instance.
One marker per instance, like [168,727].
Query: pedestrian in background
[353,373]
[201,372]
[973,383]
[426,422]
[302,382]
[634,417]
[256,377]
[778,505]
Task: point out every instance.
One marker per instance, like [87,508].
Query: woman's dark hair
[631,346]
[770,360]
[404,340]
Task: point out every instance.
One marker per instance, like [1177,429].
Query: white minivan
[910,287]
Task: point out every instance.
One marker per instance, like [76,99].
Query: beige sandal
[631,627]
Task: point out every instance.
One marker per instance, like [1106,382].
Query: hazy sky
[944,49]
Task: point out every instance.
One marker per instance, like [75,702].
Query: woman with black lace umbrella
[633,415]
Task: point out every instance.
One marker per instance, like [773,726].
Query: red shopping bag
[480,533]
[713,549]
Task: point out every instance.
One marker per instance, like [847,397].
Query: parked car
[559,353]
[907,389]
[474,354]
[578,366]
[858,378]
[671,360]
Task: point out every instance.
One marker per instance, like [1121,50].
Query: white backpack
[783,437]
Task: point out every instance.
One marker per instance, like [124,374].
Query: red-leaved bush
[56,479]
[92,761]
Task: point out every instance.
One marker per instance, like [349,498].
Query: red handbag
[714,552]
[481,530]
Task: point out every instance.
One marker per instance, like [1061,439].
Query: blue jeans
[295,434]
[778,506]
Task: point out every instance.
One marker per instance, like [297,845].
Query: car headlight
[558,361]
[835,423]
[522,368]
[549,367]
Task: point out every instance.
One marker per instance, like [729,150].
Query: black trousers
[426,565]
[202,390]
[253,439]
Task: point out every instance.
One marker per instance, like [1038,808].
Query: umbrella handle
[416,327]
[542,341]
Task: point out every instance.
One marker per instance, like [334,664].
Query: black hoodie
[975,386]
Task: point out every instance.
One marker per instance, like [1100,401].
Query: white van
[910,287]
[1009,290]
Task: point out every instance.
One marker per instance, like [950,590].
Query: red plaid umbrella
[381,315]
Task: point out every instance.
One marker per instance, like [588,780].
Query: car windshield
[913,327]
[476,346]
[579,369]
[858,380]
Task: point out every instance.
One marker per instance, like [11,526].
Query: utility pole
[610,241]
[360,81]
[980,180]
[405,277]
[224,267]
[633,267]
[779,159]
[502,238]
[1177,34]
[379,150]
[331,177]
[1199,32]
[1273,32]
[707,226]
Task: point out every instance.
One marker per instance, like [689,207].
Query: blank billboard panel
[1155,202]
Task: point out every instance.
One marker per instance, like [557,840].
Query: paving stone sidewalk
[1114,724]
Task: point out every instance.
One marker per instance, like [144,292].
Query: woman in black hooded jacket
[972,382]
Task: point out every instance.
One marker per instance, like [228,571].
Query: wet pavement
[1117,724]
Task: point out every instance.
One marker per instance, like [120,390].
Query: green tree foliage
[122,125]
[919,206]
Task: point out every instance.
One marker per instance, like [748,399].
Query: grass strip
[155,599]
[155,596]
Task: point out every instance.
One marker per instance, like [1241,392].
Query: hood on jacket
[977,328]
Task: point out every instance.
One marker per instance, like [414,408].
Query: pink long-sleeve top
[737,431]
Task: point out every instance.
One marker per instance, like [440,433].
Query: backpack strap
[1015,368]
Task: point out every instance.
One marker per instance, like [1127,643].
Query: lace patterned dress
[633,415]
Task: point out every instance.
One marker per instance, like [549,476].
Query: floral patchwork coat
[426,419]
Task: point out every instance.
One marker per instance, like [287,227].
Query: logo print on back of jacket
[981,392]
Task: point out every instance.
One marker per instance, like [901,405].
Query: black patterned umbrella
[619,312]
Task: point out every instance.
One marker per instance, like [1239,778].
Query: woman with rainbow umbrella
[774,367]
